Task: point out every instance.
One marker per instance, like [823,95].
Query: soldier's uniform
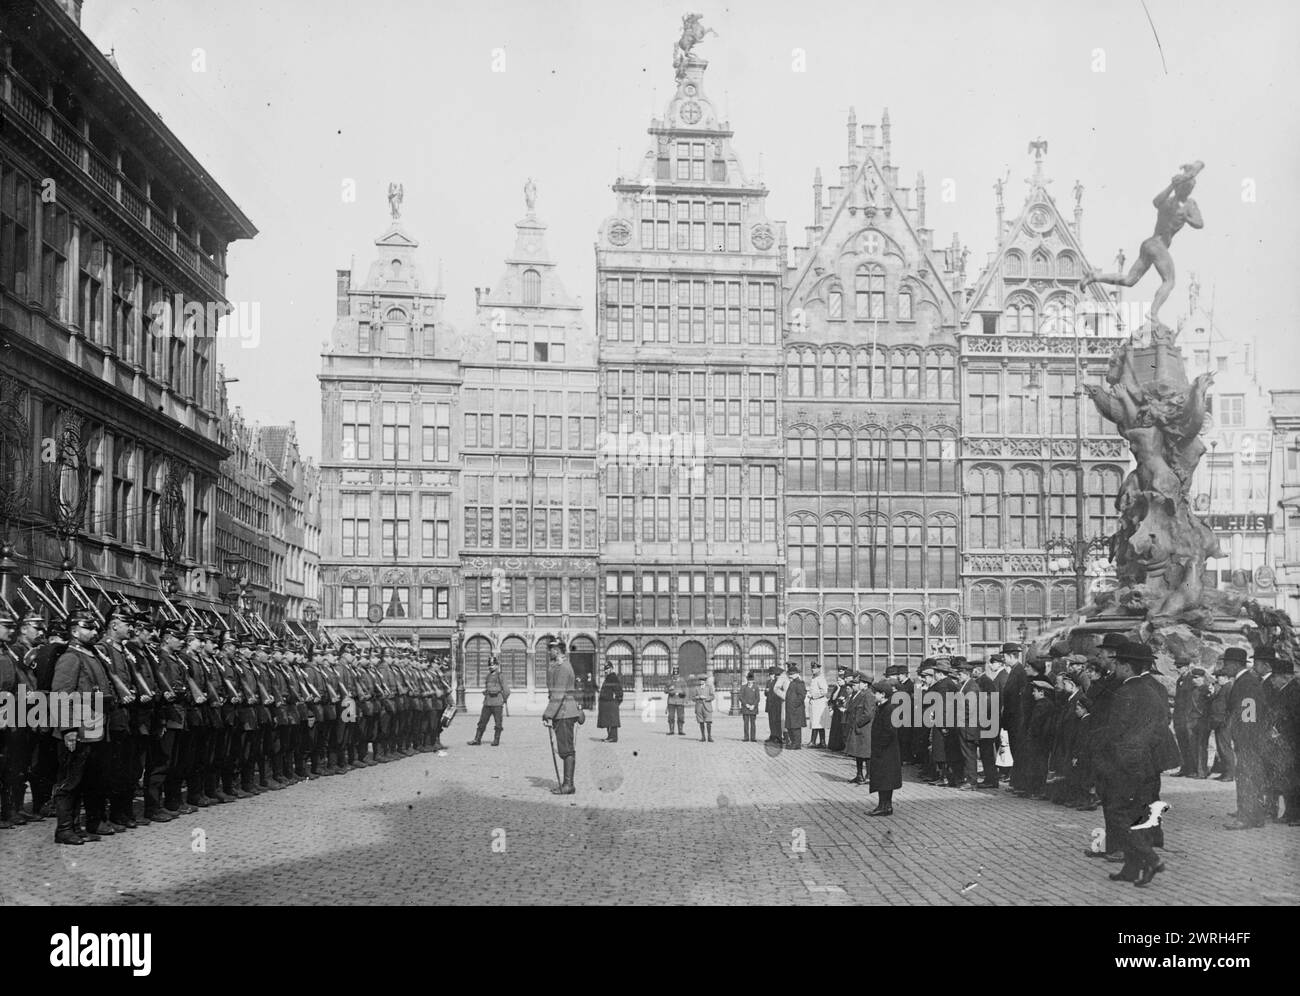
[17,678]
[82,755]
[562,711]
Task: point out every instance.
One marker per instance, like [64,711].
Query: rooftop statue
[693,32]
[1174,208]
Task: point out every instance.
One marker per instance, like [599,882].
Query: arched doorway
[692,659]
[582,657]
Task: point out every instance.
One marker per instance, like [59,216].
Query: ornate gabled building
[390,489]
[243,516]
[1040,468]
[528,449]
[113,245]
[872,500]
[688,271]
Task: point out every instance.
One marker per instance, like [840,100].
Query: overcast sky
[296,96]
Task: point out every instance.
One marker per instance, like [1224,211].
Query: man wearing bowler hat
[1281,740]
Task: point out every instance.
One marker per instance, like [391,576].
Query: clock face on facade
[690,112]
[1039,219]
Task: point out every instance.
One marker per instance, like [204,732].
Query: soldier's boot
[496,737]
[566,786]
[478,736]
[701,725]
[709,726]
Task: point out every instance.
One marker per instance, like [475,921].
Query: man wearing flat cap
[1244,723]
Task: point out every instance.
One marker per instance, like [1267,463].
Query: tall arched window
[1019,318]
[873,642]
[620,655]
[869,461]
[906,563]
[870,373]
[944,632]
[801,550]
[532,287]
[1064,600]
[984,501]
[478,651]
[941,551]
[837,641]
[836,373]
[801,375]
[1062,506]
[835,301]
[725,666]
[940,461]
[940,374]
[1014,264]
[654,664]
[514,661]
[801,459]
[905,374]
[909,638]
[802,641]
[1058,316]
[1040,264]
[984,614]
[837,457]
[1026,606]
[1066,268]
[1023,509]
[869,291]
[904,306]
[872,551]
[1103,486]
[762,656]
[837,551]
[905,453]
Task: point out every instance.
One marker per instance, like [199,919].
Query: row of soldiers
[196,717]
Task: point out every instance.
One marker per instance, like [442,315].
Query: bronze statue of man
[1174,208]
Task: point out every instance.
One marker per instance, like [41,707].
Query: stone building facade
[872,502]
[527,418]
[390,471]
[688,270]
[113,245]
[1040,468]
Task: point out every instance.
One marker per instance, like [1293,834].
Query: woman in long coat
[611,697]
[886,761]
[858,714]
[837,698]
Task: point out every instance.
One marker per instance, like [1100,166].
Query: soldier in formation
[187,717]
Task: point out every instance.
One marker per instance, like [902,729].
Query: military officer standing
[496,692]
[676,702]
[562,711]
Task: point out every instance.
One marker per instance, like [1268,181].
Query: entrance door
[584,672]
[691,659]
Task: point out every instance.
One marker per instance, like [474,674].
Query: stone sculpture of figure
[395,200]
[998,186]
[693,32]
[530,194]
[1174,208]
[1078,195]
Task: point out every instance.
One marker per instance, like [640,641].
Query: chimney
[343,284]
[817,196]
[920,200]
[884,138]
[853,137]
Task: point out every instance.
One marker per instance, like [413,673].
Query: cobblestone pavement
[657,819]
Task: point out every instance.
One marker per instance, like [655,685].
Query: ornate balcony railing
[32,107]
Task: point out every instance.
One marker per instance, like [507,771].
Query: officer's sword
[550,732]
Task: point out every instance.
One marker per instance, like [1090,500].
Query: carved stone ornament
[762,237]
[436,576]
[353,575]
[620,232]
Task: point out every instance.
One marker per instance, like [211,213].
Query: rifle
[124,694]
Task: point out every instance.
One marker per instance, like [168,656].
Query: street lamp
[460,662]
[1072,554]
[1023,630]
